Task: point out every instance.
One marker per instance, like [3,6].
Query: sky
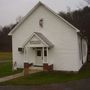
[88,1]
[10,10]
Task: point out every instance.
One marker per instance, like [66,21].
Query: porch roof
[42,38]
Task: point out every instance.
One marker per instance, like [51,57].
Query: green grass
[41,77]
[50,77]
[6,69]
[5,56]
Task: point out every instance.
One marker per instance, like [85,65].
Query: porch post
[26,64]
[43,54]
[27,53]
[45,63]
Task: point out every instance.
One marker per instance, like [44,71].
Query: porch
[38,46]
[41,59]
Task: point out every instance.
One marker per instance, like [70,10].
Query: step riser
[36,68]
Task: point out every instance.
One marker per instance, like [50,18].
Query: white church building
[43,37]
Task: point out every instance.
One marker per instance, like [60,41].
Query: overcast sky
[11,9]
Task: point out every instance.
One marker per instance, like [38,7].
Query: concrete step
[32,68]
[34,71]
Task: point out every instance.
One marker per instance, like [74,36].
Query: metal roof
[42,38]
[40,35]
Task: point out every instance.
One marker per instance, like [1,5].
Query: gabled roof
[33,9]
[42,38]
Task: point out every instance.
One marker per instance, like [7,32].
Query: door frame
[38,55]
[43,54]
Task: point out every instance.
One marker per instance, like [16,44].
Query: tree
[5,40]
[80,19]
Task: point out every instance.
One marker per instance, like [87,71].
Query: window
[38,52]
[45,53]
[21,49]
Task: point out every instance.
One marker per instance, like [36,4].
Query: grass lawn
[50,77]
[5,56]
[6,69]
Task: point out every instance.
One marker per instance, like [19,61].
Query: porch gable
[38,40]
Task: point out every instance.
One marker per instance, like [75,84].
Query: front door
[39,57]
